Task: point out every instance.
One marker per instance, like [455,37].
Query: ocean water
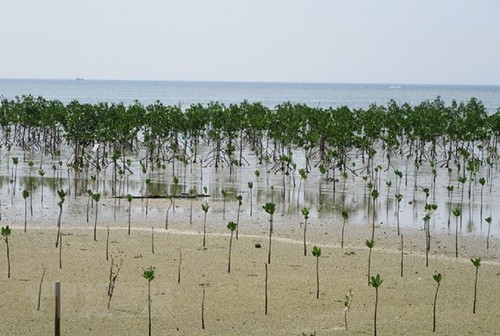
[269,94]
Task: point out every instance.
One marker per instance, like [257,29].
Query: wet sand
[235,301]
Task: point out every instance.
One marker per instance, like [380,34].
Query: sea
[185,93]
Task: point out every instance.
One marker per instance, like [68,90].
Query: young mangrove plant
[26,194]
[270,208]
[375,281]
[129,200]
[5,234]
[457,212]
[240,202]
[316,252]
[96,197]
[369,244]
[114,269]
[398,197]
[205,208]
[345,216]
[149,275]
[374,195]
[224,196]
[305,213]
[347,306]
[170,203]
[476,262]
[437,277]
[488,220]
[250,186]
[40,289]
[231,226]
[62,194]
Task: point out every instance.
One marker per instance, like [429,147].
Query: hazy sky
[360,41]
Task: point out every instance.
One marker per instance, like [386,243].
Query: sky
[333,41]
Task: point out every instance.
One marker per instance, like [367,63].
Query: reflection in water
[352,193]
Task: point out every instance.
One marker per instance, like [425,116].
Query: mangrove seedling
[437,277]
[26,194]
[192,195]
[96,197]
[41,172]
[148,183]
[5,234]
[375,281]
[203,307]
[305,213]
[347,306]
[40,289]
[488,220]
[316,252]
[205,208]
[369,244]
[113,275]
[129,200]
[270,208]
[179,268]
[149,275]
[345,216]
[62,194]
[457,212]
[231,226]
[240,202]
[398,197]
[250,186]
[224,195]
[476,262]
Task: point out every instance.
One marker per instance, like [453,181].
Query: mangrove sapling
[231,226]
[129,200]
[347,306]
[369,244]
[113,275]
[476,262]
[40,289]
[175,179]
[374,195]
[437,277]
[89,197]
[96,197]
[26,194]
[15,161]
[375,281]
[482,181]
[191,198]
[62,194]
[250,186]
[203,307]
[345,216]
[149,275]
[270,208]
[41,172]
[204,207]
[316,252]
[30,182]
[398,197]
[305,213]
[6,231]
[450,196]
[240,202]
[224,195]
[457,212]
[488,220]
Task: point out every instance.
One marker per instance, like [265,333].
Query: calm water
[270,94]
[352,195]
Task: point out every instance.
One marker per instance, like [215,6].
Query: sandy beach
[234,302]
